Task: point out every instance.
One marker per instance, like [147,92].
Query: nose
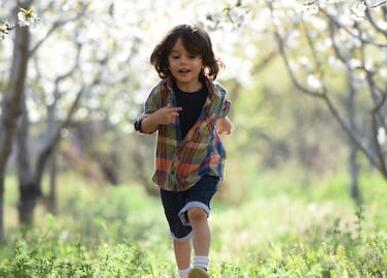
[184,60]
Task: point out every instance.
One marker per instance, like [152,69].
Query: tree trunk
[11,102]
[28,187]
[27,202]
[1,209]
[354,174]
[52,201]
[353,148]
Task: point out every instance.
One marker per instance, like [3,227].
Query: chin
[184,80]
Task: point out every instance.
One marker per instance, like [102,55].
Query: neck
[189,87]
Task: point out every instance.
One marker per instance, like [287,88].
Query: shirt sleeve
[153,103]
[225,104]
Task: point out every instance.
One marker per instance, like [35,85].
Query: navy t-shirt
[192,104]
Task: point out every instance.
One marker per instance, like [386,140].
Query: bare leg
[201,231]
[182,253]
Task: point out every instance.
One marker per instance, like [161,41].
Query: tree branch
[376,5]
[378,146]
[60,78]
[57,24]
[281,46]
[323,95]
[53,136]
[338,24]
[374,24]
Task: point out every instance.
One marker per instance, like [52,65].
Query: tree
[30,179]
[339,41]
[11,102]
[99,70]
[352,43]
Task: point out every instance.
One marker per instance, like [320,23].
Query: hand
[224,125]
[167,115]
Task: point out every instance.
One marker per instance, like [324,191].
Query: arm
[223,122]
[149,123]
[164,116]
[224,125]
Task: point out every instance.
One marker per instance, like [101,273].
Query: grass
[274,228]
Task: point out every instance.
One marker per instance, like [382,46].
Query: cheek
[200,64]
[171,64]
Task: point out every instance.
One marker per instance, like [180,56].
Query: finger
[179,108]
[174,114]
[173,118]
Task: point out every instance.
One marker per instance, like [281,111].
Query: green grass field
[274,228]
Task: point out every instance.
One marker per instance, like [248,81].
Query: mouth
[183,71]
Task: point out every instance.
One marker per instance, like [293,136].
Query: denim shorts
[177,203]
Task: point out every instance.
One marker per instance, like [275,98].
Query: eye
[175,57]
[192,56]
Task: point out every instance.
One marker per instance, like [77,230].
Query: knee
[196,214]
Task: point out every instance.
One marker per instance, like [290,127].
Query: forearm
[149,123]
[164,116]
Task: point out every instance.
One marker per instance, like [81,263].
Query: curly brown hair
[196,41]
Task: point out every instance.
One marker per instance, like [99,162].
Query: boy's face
[184,66]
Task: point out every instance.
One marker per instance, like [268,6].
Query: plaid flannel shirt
[180,163]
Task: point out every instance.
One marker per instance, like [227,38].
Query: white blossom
[354,63]
[309,8]
[26,17]
[345,19]
[382,24]
[331,1]
[369,65]
[305,64]
[293,39]
[313,82]
[383,55]
[324,45]
[382,136]
[359,78]
[4,25]
[358,10]
[383,72]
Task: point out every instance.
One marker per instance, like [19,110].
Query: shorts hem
[188,206]
[185,238]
